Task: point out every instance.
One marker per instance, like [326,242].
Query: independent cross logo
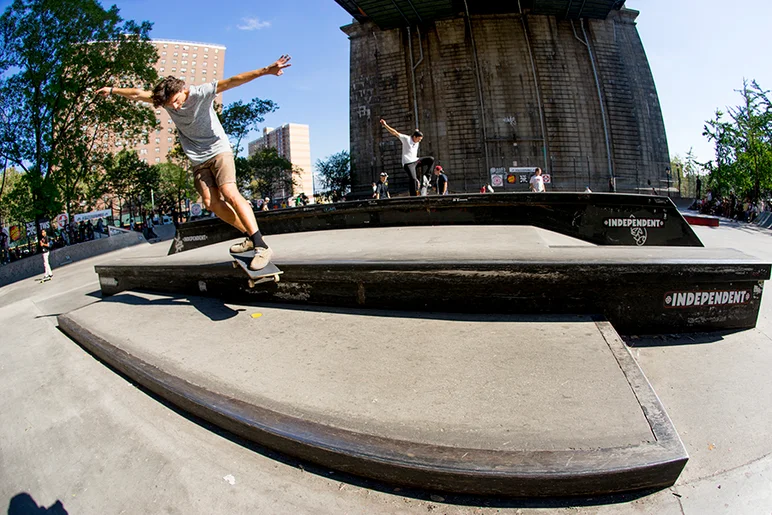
[688,299]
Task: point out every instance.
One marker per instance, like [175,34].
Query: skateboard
[266,274]
[44,279]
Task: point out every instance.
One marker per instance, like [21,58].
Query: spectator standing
[382,188]
[45,247]
[537,182]
[5,250]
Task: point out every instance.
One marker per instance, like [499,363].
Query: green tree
[743,145]
[15,198]
[175,185]
[266,173]
[130,180]
[335,174]
[238,118]
[54,55]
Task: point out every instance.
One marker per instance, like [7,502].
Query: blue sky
[699,52]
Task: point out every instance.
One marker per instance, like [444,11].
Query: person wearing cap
[265,204]
[442,180]
[410,159]
[382,188]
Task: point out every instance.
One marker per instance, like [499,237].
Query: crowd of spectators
[733,207]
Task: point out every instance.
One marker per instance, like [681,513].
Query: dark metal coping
[584,216]
[654,464]
[389,14]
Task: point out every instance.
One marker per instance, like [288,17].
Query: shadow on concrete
[668,340]
[24,504]
[211,308]
[433,315]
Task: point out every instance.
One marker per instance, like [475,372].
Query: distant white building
[294,144]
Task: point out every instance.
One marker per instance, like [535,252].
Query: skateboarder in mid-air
[205,143]
[410,159]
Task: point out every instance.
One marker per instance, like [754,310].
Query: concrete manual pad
[517,394]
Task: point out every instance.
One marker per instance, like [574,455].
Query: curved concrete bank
[534,406]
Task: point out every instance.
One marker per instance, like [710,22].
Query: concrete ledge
[600,218]
[494,270]
[33,265]
[645,462]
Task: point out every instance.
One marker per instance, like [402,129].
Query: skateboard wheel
[235,265]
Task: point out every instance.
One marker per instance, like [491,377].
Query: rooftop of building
[181,42]
[389,14]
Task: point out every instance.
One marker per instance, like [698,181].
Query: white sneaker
[261,259]
[244,246]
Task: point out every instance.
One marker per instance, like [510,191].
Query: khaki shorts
[219,170]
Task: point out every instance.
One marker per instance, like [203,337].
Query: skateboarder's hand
[277,68]
[104,91]
[383,122]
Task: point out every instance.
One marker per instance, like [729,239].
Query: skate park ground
[73,429]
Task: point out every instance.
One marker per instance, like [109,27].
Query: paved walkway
[72,429]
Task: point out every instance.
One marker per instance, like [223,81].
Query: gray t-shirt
[201,134]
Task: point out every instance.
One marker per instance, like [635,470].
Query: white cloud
[253,24]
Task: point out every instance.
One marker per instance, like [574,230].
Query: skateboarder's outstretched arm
[140,95]
[391,131]
[276,68]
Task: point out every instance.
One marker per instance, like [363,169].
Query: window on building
[176,46]
[157,149]
[215,65]
[157,159]
[184,54]
[193,63]
[143,151]
[206,49]
[158,140]
[175,54]
[185,47]
[169,121]
[174,61]
[216,50]
[174,69]
[144,160]
[163,53]
[204,64]
[194,56]
[169,139]
[170,130]
[165,45]
[183,78]
[185,62]
[195,48]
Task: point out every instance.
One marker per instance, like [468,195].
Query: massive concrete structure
[560,84]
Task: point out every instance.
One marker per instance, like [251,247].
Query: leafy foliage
[238,118]
[335,172]
[54,55]
[265,174]
[743,145]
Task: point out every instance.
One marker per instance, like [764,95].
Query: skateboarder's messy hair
[166,89]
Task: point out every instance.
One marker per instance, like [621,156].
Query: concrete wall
[33,266]
[530,98]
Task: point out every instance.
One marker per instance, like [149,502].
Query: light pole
[667,172]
